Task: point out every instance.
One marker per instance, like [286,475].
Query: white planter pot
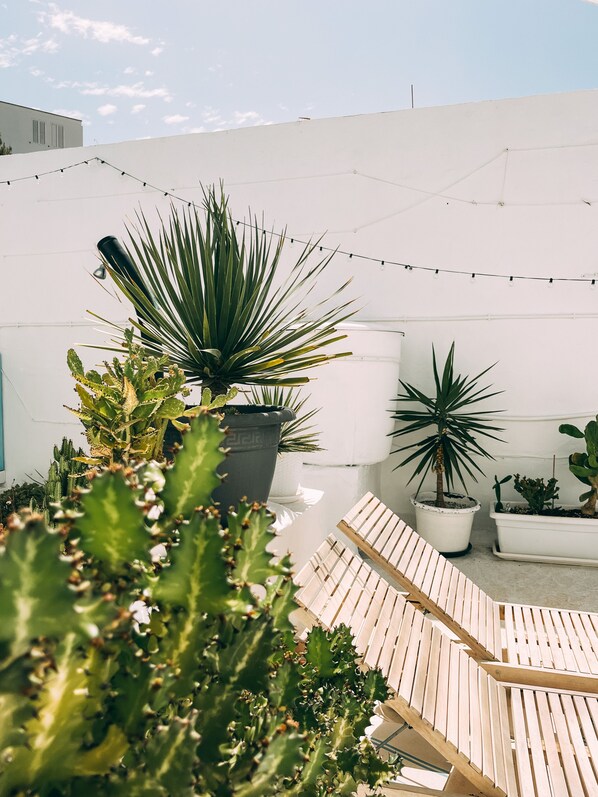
[541,535]
[447,529]
[285,484]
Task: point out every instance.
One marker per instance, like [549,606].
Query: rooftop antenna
[412,103]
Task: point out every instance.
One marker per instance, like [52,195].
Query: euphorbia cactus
[584,465]
[146,652]
[126,409]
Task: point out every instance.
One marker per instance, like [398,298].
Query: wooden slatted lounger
[540,638]
[505,739]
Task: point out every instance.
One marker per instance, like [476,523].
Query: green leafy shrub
[536,492]
[137,671]
[21,496]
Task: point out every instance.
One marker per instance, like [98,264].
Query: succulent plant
[536,492]
[146,652]
[498,506]
[65,472]
[584,465]
[126,409]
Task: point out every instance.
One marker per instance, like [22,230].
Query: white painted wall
[494,186]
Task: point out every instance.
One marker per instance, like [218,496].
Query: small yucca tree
[450,449]
[211,299]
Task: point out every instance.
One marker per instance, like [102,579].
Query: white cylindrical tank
[355,396]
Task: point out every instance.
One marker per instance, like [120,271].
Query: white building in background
[30,130]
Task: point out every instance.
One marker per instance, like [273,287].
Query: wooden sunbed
[510,634]
[504,739]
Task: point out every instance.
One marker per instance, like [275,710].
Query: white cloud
[189,105]
[131,90]
[137,108]
[130,70]
[248,116]
[102,31]
[13,48]
[194,130]
[72,114]
[148,73]
[157,50]
[175,119]
[107,110]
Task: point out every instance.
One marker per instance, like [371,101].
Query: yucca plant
[214,302]
[449,450]
[298,435]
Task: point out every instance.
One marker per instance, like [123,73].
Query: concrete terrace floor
[561,586]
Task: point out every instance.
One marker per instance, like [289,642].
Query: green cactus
[498,506]
[147,652]
[584,465]
[65,473]
[125,410]
[536,492]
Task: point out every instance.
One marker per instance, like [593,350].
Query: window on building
[39,132]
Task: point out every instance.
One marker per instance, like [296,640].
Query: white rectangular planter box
[542,535]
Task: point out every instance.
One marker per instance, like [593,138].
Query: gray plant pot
[253,434]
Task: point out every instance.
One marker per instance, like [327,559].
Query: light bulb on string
[593,285]
[472,278]
[511,282]
[436,274]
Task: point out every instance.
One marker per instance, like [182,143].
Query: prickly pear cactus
[146,652]
[584,464]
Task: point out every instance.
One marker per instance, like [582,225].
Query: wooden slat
[359,508]
[506,745]
[431,687]
[523,763]
[422,668]
[564,745]
[500,775]
[474,715]
[578,744]
[536,743]
[442,693]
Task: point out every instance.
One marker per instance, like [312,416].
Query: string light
[382,263]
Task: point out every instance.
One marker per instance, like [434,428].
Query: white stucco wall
[495,186]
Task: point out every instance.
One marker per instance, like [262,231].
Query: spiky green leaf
[112,527]
[192,479]
[35,598]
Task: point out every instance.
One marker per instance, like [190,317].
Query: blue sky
[137,68]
